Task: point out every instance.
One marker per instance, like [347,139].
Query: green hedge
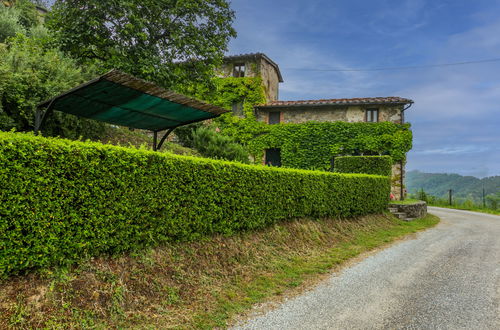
[62,200]
[378,165]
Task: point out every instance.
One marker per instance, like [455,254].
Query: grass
[203,284]
[406,201]
[467,208]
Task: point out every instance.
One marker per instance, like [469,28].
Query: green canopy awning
[120,99]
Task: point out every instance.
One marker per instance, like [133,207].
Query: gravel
[446,278]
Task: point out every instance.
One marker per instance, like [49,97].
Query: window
[273,157]
[274,117]
[237,108]
[372,115]
[239,70]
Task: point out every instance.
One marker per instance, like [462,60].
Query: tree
[171,42]
[9,22]
[24,11]
[31,71]
[494,200]
[421,195]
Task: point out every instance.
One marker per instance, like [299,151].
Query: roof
[255,56]
[340,102]
[121,99]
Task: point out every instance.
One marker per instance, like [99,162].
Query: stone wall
[351,114]
[414,210]
[398,173]
[262,68]
[270,79]
[226,70]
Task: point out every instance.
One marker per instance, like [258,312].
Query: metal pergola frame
[138,87]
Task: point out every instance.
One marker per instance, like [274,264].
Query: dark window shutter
[273,157]
[274,117]
[237,108]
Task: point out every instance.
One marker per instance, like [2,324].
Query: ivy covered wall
[310,145]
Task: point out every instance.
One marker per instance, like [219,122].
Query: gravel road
[446,278]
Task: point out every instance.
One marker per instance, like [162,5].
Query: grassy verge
[468,208]
[201,284]
[406,201]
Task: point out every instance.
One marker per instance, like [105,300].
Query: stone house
[254,65]
[369,109]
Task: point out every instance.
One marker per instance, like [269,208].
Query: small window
[239,70]
[274,117]
[237,108]
[273,157]
[372,115]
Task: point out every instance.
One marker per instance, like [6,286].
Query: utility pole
[450,192]
[484,198]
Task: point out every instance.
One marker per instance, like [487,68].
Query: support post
[38,120]
[484,198]
[165,137]
[450,196]
[41,118]
[155,140]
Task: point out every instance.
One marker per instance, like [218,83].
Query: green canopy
[120,99]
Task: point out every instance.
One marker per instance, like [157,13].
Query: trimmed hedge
[378,165]
[61,201]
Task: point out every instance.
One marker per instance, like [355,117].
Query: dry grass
[200,284]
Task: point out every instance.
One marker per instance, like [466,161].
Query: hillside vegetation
[438,184]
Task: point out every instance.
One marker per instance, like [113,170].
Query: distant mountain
[438,184]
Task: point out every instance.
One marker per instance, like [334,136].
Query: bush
[31,71]
[379,165]
[211,144]
[63,200]
[9,23]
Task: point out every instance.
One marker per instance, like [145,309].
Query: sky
[456,115]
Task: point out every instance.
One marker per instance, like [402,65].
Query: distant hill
[438,184]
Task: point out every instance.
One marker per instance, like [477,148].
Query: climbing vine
[312,145]
[249,91]
[309,145]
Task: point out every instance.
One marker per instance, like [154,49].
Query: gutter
[340,105]
[403,112]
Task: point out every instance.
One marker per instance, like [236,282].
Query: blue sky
[456,115]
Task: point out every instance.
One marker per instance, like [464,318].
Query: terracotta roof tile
[351,101]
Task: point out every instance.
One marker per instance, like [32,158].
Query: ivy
[309,145]
[312,145]
[377,165]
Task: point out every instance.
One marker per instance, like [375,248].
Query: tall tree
[170,42]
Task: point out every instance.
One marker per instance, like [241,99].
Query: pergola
[121,99]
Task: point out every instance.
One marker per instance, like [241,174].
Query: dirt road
[446,278]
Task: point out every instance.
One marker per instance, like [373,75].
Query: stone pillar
[397,181]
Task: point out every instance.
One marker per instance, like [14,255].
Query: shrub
[211,144]
[9,23]
[379,165]
[63,200]
[31,71]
